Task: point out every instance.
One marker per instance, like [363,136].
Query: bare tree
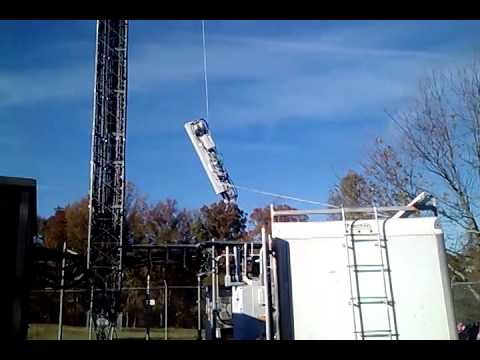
[392,175]
[438,150]
[436,133]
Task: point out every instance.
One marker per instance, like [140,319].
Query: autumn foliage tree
[222,221]
[352,191]
[68,224]
[76,215]
[55,229]
[161,222]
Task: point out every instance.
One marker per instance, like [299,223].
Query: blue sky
[293,104]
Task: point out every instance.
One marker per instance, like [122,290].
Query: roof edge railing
[339,210]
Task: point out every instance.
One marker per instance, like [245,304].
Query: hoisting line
[205,68]
[283,196]
[207,113]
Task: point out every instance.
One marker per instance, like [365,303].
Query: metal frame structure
[274,213]
[197,257]
[107,173]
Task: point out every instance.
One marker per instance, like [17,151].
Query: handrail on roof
[417,204]
[346,210]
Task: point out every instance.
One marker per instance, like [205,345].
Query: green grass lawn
[49,332]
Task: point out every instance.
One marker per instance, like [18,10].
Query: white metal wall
[321,283]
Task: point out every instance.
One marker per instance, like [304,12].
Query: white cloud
[254,79]
[324,76]
[35,86]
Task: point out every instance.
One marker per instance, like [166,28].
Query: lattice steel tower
[107,175]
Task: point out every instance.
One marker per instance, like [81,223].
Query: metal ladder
[385,298]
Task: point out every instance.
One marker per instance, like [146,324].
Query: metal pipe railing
[339,210]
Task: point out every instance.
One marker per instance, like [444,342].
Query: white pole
[227,265]
[227,259]
[90,314]
[166,308]
[147,332]
[261,255]
[245,254]
[214,293]
[214,287]
[90,192]
[265,285]
[274,293]
[199,314]
[235,260]
[62,283]
[272,218]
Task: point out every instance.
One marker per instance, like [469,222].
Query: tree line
[162,222]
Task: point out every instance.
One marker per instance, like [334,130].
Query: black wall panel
[18,217]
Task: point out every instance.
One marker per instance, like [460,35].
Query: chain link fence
[466,299]
[179,321]
[172,315]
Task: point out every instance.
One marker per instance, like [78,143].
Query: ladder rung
[362,234]
[378,335]
[389,332]
[367,240]
[379,268]
[372,300]
[366,265]
[358,304]
[375,332]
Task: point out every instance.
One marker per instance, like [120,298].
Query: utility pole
[107,175]
[266,285]
[199,304]
[214,294]
[62,284]
[148,303]
[166,310]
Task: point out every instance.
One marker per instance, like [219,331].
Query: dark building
[18,214]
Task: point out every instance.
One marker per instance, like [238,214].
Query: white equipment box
[323,289]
